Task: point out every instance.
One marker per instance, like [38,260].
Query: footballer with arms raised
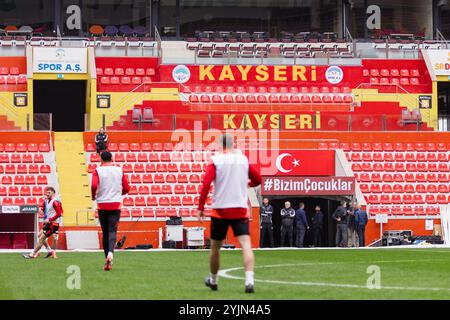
[230,172]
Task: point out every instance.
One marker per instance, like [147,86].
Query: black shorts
[219,228]
[50,228]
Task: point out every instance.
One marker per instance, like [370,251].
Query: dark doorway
[65,100]
[327,206]
[444,106]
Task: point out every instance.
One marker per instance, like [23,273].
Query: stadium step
[73,180]
[6,124]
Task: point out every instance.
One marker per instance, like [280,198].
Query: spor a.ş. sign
[59,60]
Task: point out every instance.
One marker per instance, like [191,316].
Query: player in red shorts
[230,172]
[52,218]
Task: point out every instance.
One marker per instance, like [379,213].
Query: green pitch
[285,274]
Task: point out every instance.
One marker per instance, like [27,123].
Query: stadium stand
[163,176]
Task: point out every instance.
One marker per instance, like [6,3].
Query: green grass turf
[179,275]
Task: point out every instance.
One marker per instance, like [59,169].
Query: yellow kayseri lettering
[226,73]
[205,72]
[228,121]
[289,121]
[280,73]
[246,122]
[275,121]
[244,71]
[260,120]
[298,72]
[262,74]
[305,121]
[318,126]
[313,73]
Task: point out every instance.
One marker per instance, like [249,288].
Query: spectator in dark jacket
[301,224]
[266,228]
[101,140]
[287,223]
[316,227]
[352,229]
[361,222]
[341,217]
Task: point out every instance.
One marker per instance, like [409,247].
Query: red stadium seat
[41,179]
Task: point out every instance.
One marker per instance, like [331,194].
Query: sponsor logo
[334,74]
[10,209]
[60,53]
[181,74]
[28,209]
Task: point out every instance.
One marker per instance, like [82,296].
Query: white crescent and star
[280,158]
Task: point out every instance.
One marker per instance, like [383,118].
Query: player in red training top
[53,211]
[230,172]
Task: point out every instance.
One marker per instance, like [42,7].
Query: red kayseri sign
[275,185]
[293,162]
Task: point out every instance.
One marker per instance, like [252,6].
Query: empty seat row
[150,167]
[398,157]
[20,201]
[21,179]
[264,89]
[4,71]
[21,79]
[140,201]
[127,71]
[155,146]
[408,177]
[403,188]
[391,73]
[14,241]
[21,158]
[387,146]
[270,99]
[406,199]
[144,189]
[25,168]
[125,80]
[168,178]
[404,210]
[24,147]
[159,212]
[155,157]
[400,167]
[394,81]
[402,177]
[23,191]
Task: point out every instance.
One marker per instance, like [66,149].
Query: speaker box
[169,244]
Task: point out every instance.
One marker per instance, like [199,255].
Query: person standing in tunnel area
[316,227]
[341,217]
[352,229]
[266,227]
[287,224]
[301,225]
[361,222]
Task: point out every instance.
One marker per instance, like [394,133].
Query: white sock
[249,278]
[213,278]
[48,249]
[110,255]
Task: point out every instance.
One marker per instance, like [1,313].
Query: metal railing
[326,122]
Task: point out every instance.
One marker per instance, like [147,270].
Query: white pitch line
[225,274]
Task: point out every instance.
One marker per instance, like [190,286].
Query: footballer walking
[108,186]
[53,211]
[230,172]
